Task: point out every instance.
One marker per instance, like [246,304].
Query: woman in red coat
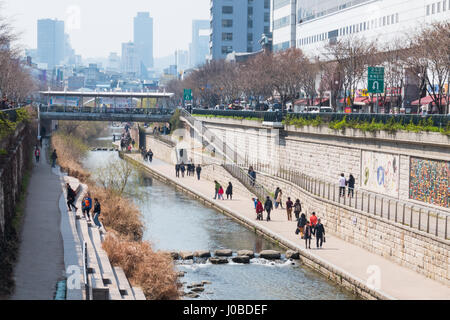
[259,210]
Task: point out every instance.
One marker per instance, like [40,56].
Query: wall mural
[380,172]
[428,181]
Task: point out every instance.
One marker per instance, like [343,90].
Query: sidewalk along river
[176,222]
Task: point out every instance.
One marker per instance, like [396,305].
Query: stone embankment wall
[323,153]
[13,165]
[381,162]
[408,247]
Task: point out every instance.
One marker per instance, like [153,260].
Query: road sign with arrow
[376,80]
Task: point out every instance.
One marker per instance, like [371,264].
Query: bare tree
[353,55]
[429,58]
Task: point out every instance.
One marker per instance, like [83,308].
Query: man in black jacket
[268,206]
[199,170]
[71,195]
[319,232]
[97,212]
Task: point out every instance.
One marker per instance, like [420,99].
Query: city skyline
[81,18]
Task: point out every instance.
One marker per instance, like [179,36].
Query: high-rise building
[387,21]
[182,60]
[51,42]
[238,26]
[143,38]
[113,62]
[130,59]
[284,25]
[199,48]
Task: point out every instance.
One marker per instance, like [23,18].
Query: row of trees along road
[342,70]
[16,83]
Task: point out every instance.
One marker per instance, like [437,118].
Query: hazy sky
[98,27]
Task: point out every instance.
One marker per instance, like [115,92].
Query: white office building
[284,26]
[326,21]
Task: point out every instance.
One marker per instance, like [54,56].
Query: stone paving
[394,281]
[40,262]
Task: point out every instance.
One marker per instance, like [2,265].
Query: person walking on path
[54,156]
[255,202]
[308,235]
[221,192]
[320,234]
[37,154]
[268,206]
[182,169]
[150,155]
[342,183]
[297,209]
[97,212]
[71,194]
[259,211]
[289,206]
[252,175]
[87,206]
[177,170]
[301,225]
[351,185]
[276,197]
[199,171]
[280,199]
[216,189]
[313,220]
[230,191]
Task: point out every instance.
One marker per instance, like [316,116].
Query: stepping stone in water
[242,259]
[202,254]
[270,255]
[186,255]
[218,260]
[292,255]
[247,253]
[224,253]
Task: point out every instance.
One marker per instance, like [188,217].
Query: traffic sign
[187,95]
[376,80]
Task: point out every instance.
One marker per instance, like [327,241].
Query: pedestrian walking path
[40,262]
[391,280]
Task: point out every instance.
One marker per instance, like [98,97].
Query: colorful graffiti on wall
[428,181]
[380,172]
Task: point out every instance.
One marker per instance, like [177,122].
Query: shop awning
[428,100]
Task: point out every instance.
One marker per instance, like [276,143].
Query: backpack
[298,207]
[86,203]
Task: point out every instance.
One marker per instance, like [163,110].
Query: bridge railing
[440,121]
[106,110]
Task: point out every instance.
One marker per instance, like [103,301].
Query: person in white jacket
[342,184]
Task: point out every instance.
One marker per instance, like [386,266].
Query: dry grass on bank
[118,213]
[152,271]
[69,150]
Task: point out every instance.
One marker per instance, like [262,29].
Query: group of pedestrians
[86,206]
[306,228]
[343,183]
[219,191]
[309,228]
[147,155]
[189,169]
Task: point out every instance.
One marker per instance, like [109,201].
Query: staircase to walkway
[420,217]
[102,280]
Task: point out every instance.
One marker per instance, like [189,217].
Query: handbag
[297,231]
[324,239]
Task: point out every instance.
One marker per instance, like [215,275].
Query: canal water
[177,222]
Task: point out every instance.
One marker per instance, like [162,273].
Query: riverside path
[40,261]
[396,282]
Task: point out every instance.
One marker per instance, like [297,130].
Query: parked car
[261,107]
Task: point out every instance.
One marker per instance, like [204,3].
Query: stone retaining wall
[408,247]
[13,165]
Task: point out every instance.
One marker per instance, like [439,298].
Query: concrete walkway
[394,281]
[41,258]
